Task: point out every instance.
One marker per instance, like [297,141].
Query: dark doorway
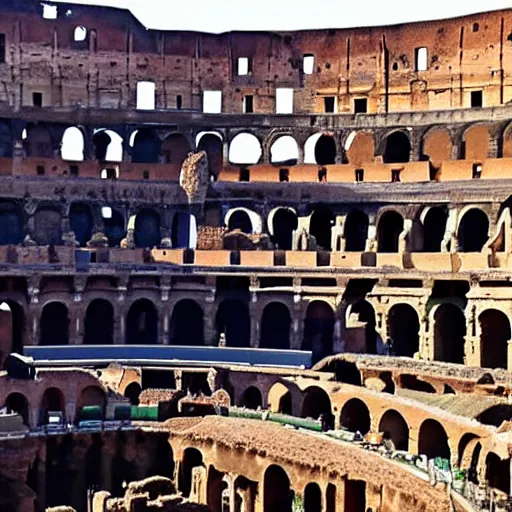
[11,224]
[321,223]
[54,324]
[312,498]
[325,150]
[494,338]
[18,403]
[404,328]
[355,416]
[433,440]
[114,228]
[181,230]
[175,149]
[147,229]
[284,224]
[192,458]
[277,495]
[275,326]
[318,330]
[146,147]
[251,398]
[398,148]
[132,392]
[315,403]
[365,312]
[99,323]
[355,496]
[187,324]
[240,219]
[52,401]
[393,424]
[450,330]
[12,327]
[81,222]
[497,473]
[391,224]
[434,227]
[234,321]
[212,145]
[142,323]
[356,231]
[473,231]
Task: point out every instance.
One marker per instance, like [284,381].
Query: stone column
[494,142]
[210,310]
[297,326]
[255,314]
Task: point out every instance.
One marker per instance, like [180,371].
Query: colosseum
[238,274]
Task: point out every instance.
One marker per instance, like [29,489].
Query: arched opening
[234,321]
[147,229]
[38,142]
[18,404]
[476,143]
[187,324]
[330,498]
[506,142]
[279,399]
[394,426]
[284,151]
[320,149]
[316,402]
[360,148]
[184,231]
[91,396]
[108,146]
[404,328]
[355,416]
[99,323]
[433,440]
[146,147]
[277,495]
[54,324]
[284,223]
[473,231]
[318,330]
[497,473]
[251,398]
[48,226]
[5,141]
[494,338]
[163,458]
[52,401]
[240,219]
[434,227]
[212,145]
[175,149]
[192,458]
[366,314]
[312,498]
[275,326]
[390,225]
[356,231]
[321,223]
[495,415]
[245,149]
[12,325]
[465,441]
[114,227]
[142,323]
[449,334]
[132,392]
[397,149]
[437,147]
[81,222]
[11,224]
[72,146]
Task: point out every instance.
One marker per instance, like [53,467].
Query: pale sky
[225,15]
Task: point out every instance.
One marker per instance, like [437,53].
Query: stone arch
[360,148]
[114,228]
[48,226]
[312,498]
[175,149]
[91,396]
[108,146]
[433,440]
[72,145]
[321,223]
[51,401]
[437,146]
[475,143]
[276,322]
[38,141]
[318,329]
[54,324]
[12,326]
[18,403]
[397,148]
[282,223]
[187,323]
[245,149]
[434,227]
[279,399]
[277,494]
[251,398]
[449,334]
[132,392]
[11,223]
[467,440]
[146,147]
[147,229]
[192,458]
[494,337]
[366,314]
[392,423]
[247,221]
[233,319]
[284,151]
[142,323]
[99,323]
[403,328]
[355,416]
[320,149]
[315,402]
[211,143]
[356,231]
[497,472]
[5,140]
[473,230]
[81,222]
[389,227]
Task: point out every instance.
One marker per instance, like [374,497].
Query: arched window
[390,225]
[476,143]
[394,427]
[318,330]
[251,398]
[312,498]
[320,149]
[437,146]
[99,323]
[38,142]
[397,149]
[48,226]
[18,403]
[404,327]
[192,458]
[316,402]
[245,148]
[146,147]
[147,229]
[142,323]
[366,314]
[108,146]
[277,496]
[284,151]
[284,223]
[356,231]
[211,143]
[175,149]
[184,231]
[114,227]
[449,334]
[275,326]
[72,145]
[355,416]
[433,440]
[54,324]
[279,399]
[434,227]
[240,219]
[494,338]
[473,231]
[12,324]
[360,148]
[52,401]
[322,221]
[81,222]
[234,321]
[187,324]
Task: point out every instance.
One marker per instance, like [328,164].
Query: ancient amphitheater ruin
[254,271]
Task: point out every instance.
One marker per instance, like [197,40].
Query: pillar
[255,315]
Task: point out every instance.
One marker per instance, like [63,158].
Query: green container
[91,413]
[122,412]
[238,412]
[285,419]
[144,413]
